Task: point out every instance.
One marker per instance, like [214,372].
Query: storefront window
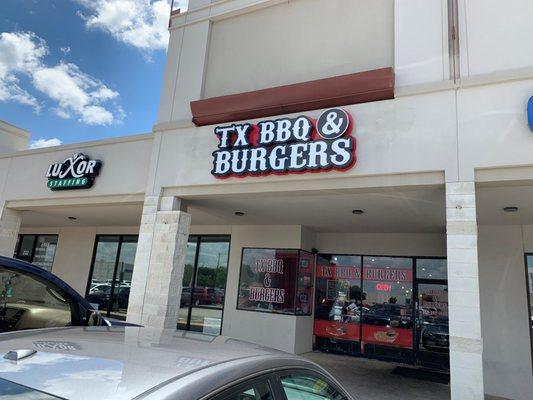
[204,284]
[111,273]
[39,250]
[387,305]
[377,306]
[529,273]
[338,303]
[431,268]
[276,281]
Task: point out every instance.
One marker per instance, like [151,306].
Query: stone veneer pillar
[466,346]
[9,228]
[159,263]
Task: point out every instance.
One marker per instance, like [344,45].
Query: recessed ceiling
[420,210]
[94,215]
[492,200]
[395,210]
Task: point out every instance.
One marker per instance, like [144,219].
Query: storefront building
[348,176]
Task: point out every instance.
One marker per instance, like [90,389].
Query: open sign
[383,287]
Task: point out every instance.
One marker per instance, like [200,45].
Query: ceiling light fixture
[357,212]
[239,213]
[510,209]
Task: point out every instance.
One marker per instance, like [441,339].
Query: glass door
[431,327]
[387,317]
[109,283]
[204,284]
[393,308]
[338,304]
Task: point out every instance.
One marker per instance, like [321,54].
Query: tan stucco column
[9,228]
[466,346]
[159,263]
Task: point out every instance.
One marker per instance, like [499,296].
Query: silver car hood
[113,363]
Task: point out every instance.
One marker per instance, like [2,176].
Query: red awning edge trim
[360,87]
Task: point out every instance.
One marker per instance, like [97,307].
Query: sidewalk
[372,380]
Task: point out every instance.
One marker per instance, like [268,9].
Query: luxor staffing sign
[286,145]
[76,172]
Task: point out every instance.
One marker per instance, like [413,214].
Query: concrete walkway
[372,380]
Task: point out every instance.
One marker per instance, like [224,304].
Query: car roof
[125,362]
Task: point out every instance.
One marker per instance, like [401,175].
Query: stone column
[466,346]
[159,263]
[9,228]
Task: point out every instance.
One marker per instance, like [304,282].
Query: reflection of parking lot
[205,320]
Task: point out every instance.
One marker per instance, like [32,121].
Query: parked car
[203,295]
[387,314]
[435,337]
[100,287]
[101,297]
[31,298]
[142,363]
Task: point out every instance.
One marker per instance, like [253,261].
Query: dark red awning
[361,87]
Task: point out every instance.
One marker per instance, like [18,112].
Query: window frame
[416,280]
[269,379]
[115,268]
[528,297]
[198,241]
[273,377]
[304,371]
[34,246]
[311,300]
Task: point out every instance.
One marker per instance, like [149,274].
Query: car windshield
[13,391]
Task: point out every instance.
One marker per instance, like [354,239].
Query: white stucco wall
[125,169]
[408,134]
[420,58]
[504,313]
[391,244]
[12,138]
[492,126]
[326,38]
[493,35]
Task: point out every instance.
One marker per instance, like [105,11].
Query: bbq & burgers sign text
[285,145]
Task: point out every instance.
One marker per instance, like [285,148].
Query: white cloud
[139,23]
[40,143]
[65,50]
[19,53]
[76,93]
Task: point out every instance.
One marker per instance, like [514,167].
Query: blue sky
[77,70]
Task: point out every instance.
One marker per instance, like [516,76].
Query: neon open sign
[383,287]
